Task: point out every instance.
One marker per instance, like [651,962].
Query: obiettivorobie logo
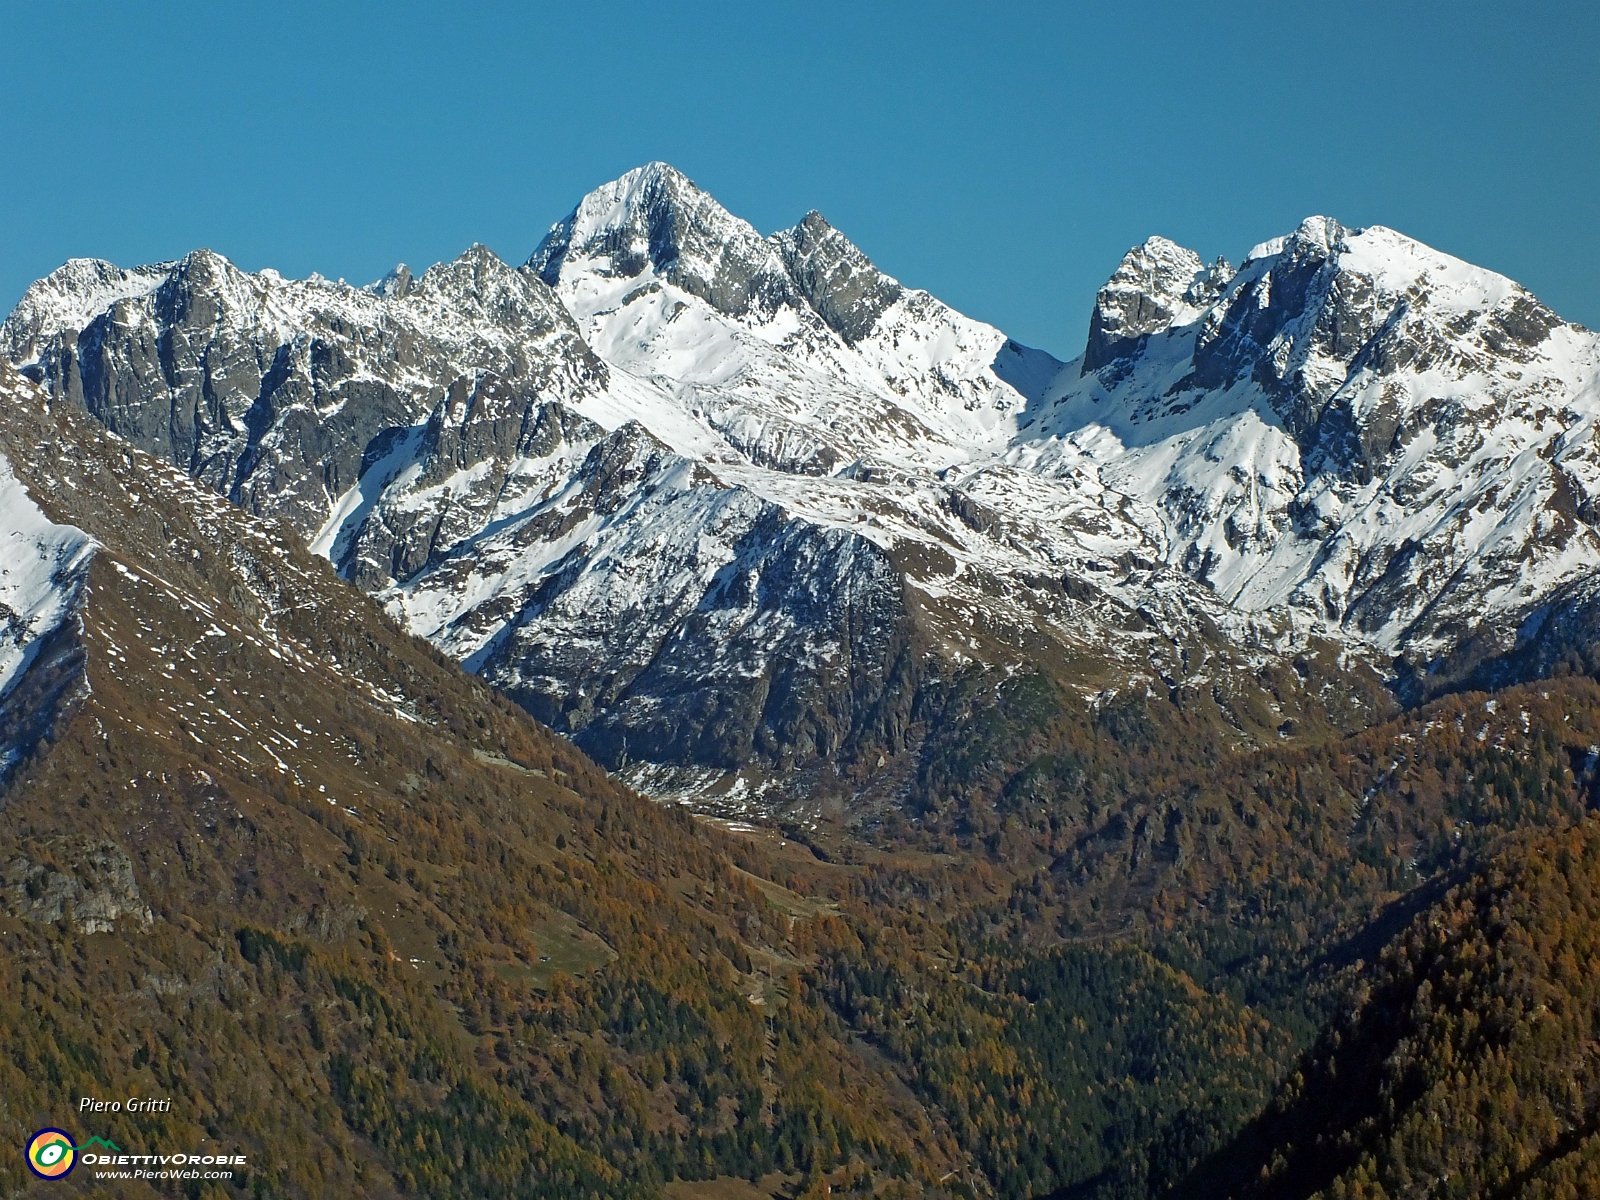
[51,1154]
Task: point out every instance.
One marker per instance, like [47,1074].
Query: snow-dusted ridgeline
[699,495]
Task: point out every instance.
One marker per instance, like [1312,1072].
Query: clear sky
[1004,156]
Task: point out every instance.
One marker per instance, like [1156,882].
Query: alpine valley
[691,715]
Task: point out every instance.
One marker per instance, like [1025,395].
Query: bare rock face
[836,279]
[1155,285]
[273,391]
[88,884]
[487,445]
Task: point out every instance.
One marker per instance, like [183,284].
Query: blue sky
[1003,156]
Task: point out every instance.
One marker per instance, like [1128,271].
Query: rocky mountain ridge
[1358,430]
[709,501]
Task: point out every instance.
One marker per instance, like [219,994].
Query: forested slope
[363,920]
[1468,1065]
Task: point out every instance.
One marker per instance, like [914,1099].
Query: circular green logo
[51,1154]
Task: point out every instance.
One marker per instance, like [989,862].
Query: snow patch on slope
[42,569]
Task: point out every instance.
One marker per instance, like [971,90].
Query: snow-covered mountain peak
[1317,236]
[640,216]
[835,277]
[654,219]
[203,286]
[1399,264]
[1157,285]
[1358,427]
[479,284]
[795,350]
[1158,252]
[1329,303]
[69,298]
[394,285]
[1396,266]
[204,263]
[475,272]
[1324,233]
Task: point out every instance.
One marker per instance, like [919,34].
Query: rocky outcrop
[488,449]
[1155,286]
[836,279]
[86,883]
